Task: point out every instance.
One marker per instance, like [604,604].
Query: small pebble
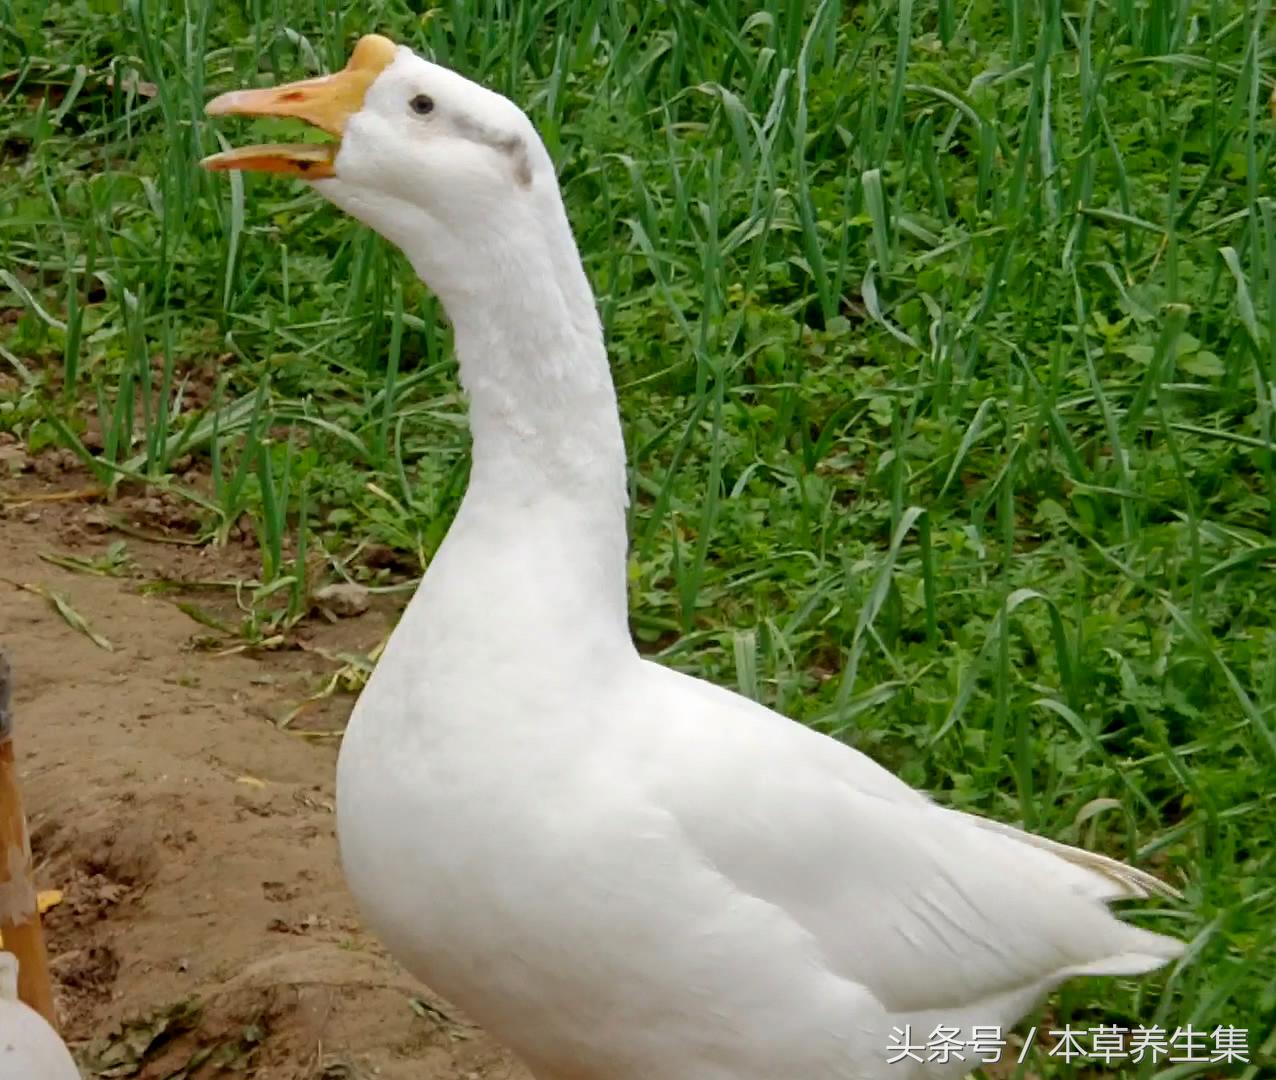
[344,599]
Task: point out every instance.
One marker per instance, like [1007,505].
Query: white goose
[29,1048]
[622,872]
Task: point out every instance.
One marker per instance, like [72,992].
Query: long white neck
[532,360]
[547,497]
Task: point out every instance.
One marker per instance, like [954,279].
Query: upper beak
[326,103]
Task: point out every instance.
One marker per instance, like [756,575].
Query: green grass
[944,336]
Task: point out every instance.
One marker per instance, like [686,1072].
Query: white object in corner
[29,1048]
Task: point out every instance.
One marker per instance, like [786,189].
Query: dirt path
[204,906]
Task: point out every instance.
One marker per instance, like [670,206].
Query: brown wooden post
[19,910]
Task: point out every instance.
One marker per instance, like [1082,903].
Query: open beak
[326,103]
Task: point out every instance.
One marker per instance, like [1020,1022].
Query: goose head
[441,166]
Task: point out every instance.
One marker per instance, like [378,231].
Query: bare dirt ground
[205,928]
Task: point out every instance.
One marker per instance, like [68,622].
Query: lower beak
[326,103]
[314,161]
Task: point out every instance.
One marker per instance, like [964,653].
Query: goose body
[622,872]
[29,1048]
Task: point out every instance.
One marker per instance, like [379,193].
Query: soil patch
[205,925]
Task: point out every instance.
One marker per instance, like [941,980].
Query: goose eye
[422,104]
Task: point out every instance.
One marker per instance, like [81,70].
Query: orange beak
[326,103]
